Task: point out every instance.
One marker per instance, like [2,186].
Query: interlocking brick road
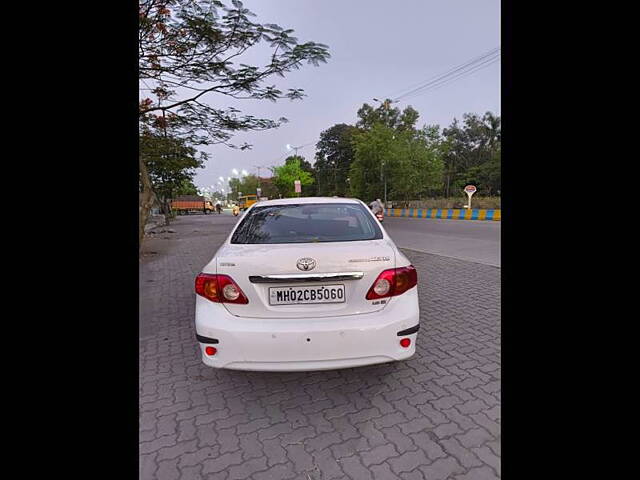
[435,416]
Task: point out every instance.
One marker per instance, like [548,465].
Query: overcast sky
[378,49]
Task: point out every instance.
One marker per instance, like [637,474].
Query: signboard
[258,191]
[470,190]
[298,186]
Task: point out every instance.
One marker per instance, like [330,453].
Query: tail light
[393,282]
[220,289]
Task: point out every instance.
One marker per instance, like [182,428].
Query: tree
[285,175]
[417,165]
[388,116]
[486,176]
[386,133]
[189,50]
[308,189]
[216,195]
[375,153]
[334,155]
[409,160]
[248,185]
[171,165]
[269,190]
[187,187]
[473,153]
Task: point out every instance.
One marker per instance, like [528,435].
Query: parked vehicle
[246,201]
[306,284]
[187,204]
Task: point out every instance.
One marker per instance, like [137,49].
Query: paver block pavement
[436,415]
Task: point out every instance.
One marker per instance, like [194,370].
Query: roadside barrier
[444,213]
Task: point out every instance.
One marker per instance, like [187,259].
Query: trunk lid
[241,261]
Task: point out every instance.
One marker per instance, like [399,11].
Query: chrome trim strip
[306,277]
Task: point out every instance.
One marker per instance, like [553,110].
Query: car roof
[304,200]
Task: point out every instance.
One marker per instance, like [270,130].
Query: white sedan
[306,284]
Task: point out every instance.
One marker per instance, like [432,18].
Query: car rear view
[306,284]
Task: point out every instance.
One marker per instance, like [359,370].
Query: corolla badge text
[372,259]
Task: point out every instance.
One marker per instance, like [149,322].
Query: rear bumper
[310,343]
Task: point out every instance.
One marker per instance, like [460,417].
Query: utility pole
[258,167]
[383,178]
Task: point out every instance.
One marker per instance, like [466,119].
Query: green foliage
[422,162]
[375,153]
[247,185]
[388,116]
[269,190]
[189,51]
[415,163]
[285,175]
[309,189]
[171,163]
[486,176]
[409,160]
[205,48]
[416,169]
[187,187]
[334,155]
[473,154]
[390,148]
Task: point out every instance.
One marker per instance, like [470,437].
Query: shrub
[488,203]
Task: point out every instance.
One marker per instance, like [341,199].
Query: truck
[186,204]
[246,201]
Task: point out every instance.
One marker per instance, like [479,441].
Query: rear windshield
[307,223]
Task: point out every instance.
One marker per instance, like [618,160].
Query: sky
[378,50]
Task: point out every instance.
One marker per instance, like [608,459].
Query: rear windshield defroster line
[307,223]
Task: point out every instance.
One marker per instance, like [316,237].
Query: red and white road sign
[298,186]
[469,190]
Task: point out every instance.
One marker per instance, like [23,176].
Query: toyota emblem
[306,264]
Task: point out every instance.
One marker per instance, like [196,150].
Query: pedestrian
[376,206]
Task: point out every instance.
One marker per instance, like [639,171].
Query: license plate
[305,295]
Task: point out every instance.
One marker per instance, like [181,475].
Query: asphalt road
[471,240]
